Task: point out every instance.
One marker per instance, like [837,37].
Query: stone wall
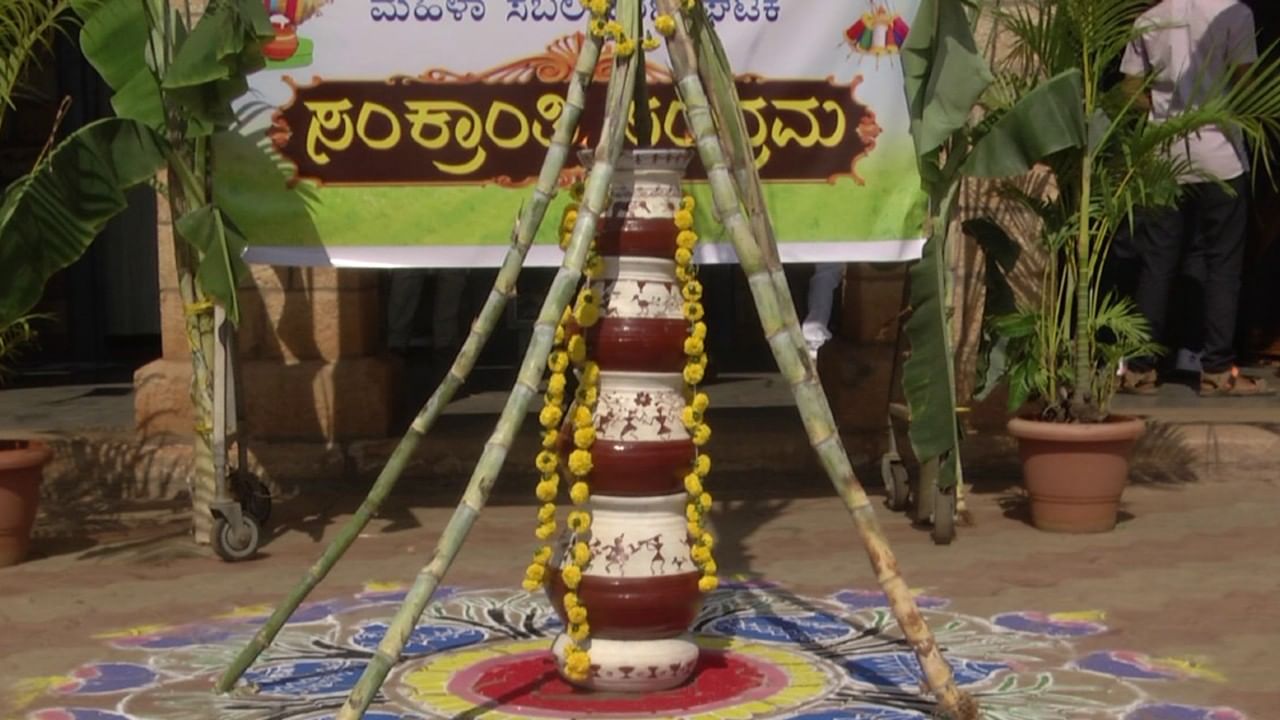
[309,353]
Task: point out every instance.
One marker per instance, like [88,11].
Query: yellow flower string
[586,313]
[696,402]
[548,459]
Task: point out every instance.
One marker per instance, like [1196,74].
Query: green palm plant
[1062,350]
[27,28]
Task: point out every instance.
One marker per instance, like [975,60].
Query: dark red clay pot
[1075,473]
[21,470]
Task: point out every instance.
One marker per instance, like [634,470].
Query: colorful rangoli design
[484,654]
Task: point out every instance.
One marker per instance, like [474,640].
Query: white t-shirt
[1190,46]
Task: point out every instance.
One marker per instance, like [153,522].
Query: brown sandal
[1139,383]
[1231,383]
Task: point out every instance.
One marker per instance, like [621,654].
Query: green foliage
[180,79]
[27,28]
[49,217]
[1062,351]
[15,337]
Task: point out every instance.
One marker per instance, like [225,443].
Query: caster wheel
[254,496]
[944,516]
[897,484]
[234,543]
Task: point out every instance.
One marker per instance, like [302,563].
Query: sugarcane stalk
[793,361]
[504,288]
[717,76]
[567,280]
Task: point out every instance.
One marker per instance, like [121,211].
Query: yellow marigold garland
[570,348]
[696,402]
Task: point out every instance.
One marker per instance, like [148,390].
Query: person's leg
[1221,235]
[402,307]
[1159,241]
[1221,232]
[822,287]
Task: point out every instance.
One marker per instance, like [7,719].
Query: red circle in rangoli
[529,681]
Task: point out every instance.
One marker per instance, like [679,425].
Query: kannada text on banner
[419,144]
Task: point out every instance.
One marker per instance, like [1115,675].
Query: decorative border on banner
[545,256]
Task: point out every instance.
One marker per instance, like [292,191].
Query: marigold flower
[688,203]
[693,484]
[570,600]
[650,42]
[704,501]
[581,554]
[577,349]
[690,417]
[693,373]
[579,493]
[665,24]
[558,361]
[546,461]
[702,464]
[693,528]
[535,572]
[700,554]
[579,521]
[699,330]
[684,256]
[701,435]
[692,291]
[625,48]
[550,439]
[531,585]
[550,416]
[548,512]
[582,416]
[579,632]
[556,382]
[577,615]
[691,512]
[587,315]
[684,219]
[543,555]
[591,373]
[613,27]
[545,531]
[584,437]
[547,489]
[580,462]
[693,346]
[708,583]
[569,220]
[577,665]
[572,576]
[687,239]
[693,311]
[700,402]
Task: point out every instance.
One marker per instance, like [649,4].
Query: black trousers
[1208,228]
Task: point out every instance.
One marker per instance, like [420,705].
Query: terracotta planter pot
[1076,473]
[21,470]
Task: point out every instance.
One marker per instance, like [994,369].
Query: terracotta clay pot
[640,587]
[284,45]
[21,470]
[1075,473]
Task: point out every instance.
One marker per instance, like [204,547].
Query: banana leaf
[221,246]
[945,73]
[49,217]
[1046,120]
[117,39]
[210,67]
[945,77]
